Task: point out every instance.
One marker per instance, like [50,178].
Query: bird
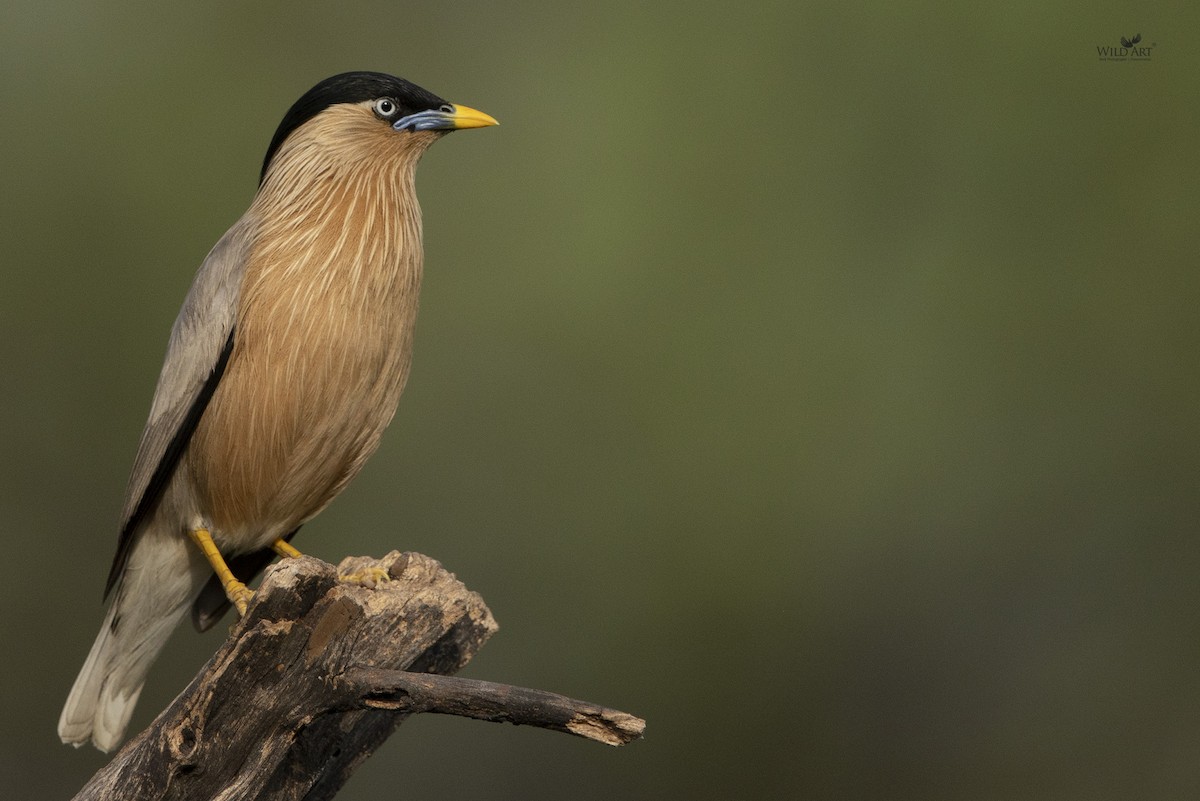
[283,368]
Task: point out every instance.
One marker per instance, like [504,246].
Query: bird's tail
[154,593]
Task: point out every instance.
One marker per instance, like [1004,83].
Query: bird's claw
[239,595]
[366,577]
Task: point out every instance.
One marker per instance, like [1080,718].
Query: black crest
[349,87]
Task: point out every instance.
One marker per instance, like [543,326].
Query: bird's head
[360,116]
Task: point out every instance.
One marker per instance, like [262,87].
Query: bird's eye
[385,107]
[447,108]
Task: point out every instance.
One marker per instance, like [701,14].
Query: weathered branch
[317,675]
[409,692]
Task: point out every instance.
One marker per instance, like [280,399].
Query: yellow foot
[239,595]
[367,577]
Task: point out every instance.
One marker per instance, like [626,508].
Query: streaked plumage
[283,369]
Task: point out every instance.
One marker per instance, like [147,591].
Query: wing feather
[200,346]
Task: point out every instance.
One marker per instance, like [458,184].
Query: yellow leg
[284,548]
[238,593]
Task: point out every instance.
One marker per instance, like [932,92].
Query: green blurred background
[817,381]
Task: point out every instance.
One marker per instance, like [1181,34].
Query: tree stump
[318,674]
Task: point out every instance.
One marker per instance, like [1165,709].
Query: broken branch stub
[318,674]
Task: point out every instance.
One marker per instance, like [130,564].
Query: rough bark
[317,675]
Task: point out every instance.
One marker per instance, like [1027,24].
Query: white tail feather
[147,605]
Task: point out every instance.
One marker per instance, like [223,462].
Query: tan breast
[323,344]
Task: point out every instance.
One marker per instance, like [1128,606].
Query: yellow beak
[467,117]
[446,118]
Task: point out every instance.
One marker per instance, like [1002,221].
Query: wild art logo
[1128,51]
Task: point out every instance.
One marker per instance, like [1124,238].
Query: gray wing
[200,345]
